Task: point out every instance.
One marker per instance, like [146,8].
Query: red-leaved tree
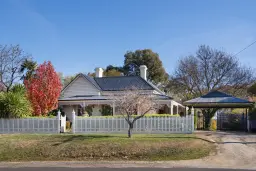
[43,89]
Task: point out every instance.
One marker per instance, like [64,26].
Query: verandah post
[73,121]
[58,122]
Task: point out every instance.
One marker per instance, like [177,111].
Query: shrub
[68,125]
[14,105]
[213,125]
[146,116]
[106,110]
[195,120]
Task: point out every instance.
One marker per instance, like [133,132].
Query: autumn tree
[156,71]
[209,69]
[11,60]
[134,102]
[43,89]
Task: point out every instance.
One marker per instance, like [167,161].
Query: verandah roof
[216,99]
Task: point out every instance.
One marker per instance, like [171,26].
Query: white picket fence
[30,125]
[144,125]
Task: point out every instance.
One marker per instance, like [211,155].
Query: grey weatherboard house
[96,92]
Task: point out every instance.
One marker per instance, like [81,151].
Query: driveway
[233,149]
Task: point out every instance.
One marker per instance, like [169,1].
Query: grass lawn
[35,147]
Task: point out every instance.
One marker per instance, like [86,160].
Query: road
[111,169]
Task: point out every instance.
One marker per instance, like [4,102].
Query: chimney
[143,71]
[98,72]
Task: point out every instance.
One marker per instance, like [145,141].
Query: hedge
[147,116]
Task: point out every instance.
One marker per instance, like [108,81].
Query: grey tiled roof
[122,83]
[101,97]
[216,97]
[119,83]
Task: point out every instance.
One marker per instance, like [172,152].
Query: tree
[43,89]
[209,69]
[156,71]
[252,90]
[65,80]
[133,102]
[11,59]
[28,67]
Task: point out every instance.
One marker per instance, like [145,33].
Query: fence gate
[232,122]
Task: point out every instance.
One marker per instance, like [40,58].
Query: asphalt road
[111,169]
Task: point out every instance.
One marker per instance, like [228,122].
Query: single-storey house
[96,92]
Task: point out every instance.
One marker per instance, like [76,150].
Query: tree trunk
[130,130]
[207,122]
[208,114]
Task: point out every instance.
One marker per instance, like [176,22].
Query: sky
[80,35]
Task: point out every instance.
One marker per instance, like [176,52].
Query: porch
[104,105]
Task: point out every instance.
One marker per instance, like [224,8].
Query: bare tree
[133,105]
[209,69]
[11,59]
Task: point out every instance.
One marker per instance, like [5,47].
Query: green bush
[147,115]
[68,125]
[14,105]
[195,120]
[106,110]
[213,125]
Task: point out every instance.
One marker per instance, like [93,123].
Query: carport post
[248,120]
[192,116]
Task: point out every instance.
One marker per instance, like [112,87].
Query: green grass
[102,147]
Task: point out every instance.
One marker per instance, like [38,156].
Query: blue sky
[79,35]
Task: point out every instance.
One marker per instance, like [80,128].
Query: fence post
[58,122]
[192,117]
[73,121]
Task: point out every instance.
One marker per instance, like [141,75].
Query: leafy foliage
[14,105]
[156,71]
[18,88]
[28,67]
[252,90]
[43,89]
[106,110]
[65,80]
[133,116]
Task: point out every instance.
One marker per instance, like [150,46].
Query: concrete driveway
[233,149]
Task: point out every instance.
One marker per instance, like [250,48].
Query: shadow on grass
[70,138]
[88,137]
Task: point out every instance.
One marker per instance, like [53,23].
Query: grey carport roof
[216,99]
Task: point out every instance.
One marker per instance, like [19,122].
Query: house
[96,93]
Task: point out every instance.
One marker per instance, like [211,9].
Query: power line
[245,48]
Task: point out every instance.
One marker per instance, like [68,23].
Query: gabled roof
[217,99]
[118,83]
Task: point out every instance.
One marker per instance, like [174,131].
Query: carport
[220,100]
